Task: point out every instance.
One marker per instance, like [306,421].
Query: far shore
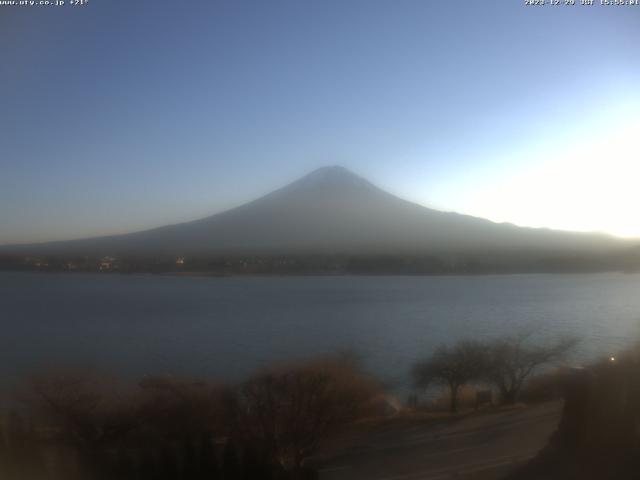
[217,274]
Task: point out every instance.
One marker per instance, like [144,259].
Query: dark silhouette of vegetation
[480,262]
[90,428]
[505,363]
[290,410]
[511,360]
[598,435]
[19,453]
[452,367]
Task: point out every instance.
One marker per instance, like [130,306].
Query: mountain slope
[332,210]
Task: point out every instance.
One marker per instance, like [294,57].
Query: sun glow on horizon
[590,185]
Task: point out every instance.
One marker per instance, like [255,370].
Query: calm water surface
[228,327]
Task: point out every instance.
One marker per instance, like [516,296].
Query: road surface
[483,446]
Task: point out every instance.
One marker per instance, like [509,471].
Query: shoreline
[213,274]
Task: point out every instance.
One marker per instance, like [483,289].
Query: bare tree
[89,413]
[180,406]
[122,431]
[510,360]
[289,410]
[452,367]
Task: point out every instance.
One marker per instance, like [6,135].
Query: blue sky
[125,115]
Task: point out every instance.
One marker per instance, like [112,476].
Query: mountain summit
[332,210]
[332,177]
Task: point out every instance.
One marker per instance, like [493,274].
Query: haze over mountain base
[333,221]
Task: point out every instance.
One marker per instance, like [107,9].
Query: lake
[229,327]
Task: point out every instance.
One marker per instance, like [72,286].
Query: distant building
[106,264]
[36,262]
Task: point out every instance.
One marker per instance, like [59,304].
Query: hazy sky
[127,114]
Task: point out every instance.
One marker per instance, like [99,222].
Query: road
[482,446]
